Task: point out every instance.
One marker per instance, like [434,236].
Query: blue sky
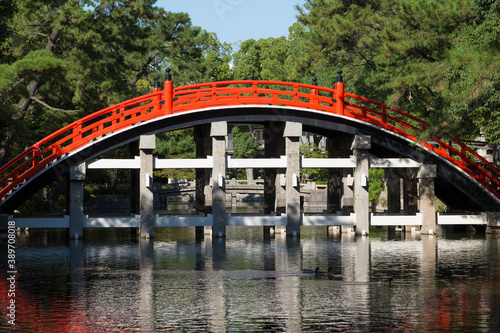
[238,20]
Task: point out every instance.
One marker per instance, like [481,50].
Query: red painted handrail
[226,93]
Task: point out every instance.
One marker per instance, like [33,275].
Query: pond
[391,282]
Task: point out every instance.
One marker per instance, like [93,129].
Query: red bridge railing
[226,93]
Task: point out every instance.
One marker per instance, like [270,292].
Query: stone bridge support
[218,134]
[426,175]
[146,146]
[203,193]
[76,183]
[360,146]
[292,134]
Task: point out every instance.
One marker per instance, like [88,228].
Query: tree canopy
[438,60]
[64,59]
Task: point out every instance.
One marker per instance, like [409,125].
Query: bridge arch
[321,110]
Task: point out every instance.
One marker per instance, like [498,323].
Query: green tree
[177,145]
[245,145]
[312,150]
[377,180]
[473,72]
[395,51]
[68,58]
[265,59]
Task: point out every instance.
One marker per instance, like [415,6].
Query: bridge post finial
[168,92]
[168,76]
[339,88]
[339,76]
[315,81]
[157,82]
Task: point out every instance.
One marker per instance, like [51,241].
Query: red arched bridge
[464,180]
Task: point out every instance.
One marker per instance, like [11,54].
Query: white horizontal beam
[112,222]
[184,163]
[395,220]
[260,220]
[246,220]
[241,163]
[187,163]
[327,162]
[115,163]
[462,219]
[41,222]
[184,221]
[329,220]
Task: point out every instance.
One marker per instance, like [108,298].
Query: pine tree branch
[144,68]
[50,107]
[8,91]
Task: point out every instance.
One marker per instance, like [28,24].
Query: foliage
[164,175]
[176,144]
[316,174]
[245,145]
[67,58]
[377,180]
[265,59]
[435,59]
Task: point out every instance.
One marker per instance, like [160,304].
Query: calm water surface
[251,284]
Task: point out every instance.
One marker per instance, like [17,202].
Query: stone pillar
[76,189]
[146,145]
[361,146]
[493,223]
[218,133]
[292,134]
[203,149]
[135,193]
[426,175]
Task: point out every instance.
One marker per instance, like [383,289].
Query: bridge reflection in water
[249,283]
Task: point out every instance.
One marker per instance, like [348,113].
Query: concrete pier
[360,147]
[146,146]
[218,134]
[292,134]
[493,223]
[203,194]
[426,175]
[75,201]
